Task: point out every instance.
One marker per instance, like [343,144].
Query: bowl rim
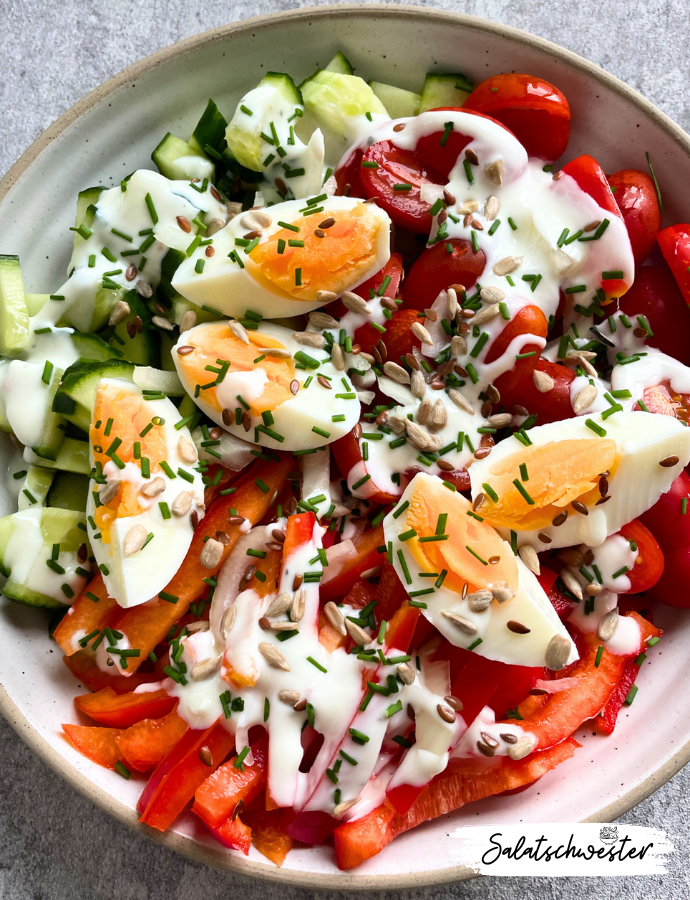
[182,844]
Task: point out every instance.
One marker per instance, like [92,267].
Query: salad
[350,456]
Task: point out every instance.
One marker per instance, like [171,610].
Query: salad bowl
[112,132]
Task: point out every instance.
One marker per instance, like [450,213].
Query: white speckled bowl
[111,132]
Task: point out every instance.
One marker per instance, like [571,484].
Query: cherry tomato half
[649,564]
[347,176]
[436,269]
[666,520]
[395,177]
[398,338]
[655,294]
[347,453]
[635,196]
[441,149]
[535,111]
[675,245]
[552,406]
[590,177]
[529,320]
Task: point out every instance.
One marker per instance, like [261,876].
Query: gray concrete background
[54,845]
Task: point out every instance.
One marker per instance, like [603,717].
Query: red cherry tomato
[393,271]
[385,170]
[675,245]
[518,388]
[529,320]
[398,338]
[635,196]
[440,150]
[347,176]
[649,564]
[655,294]
[672,588]
[666,521]
[533,109]
[590,177]
[436,269]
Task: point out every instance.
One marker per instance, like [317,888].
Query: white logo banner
[561,850]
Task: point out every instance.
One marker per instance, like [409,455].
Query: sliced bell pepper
[347,453]
[97,744]
[606,722]
[675,245]
[330,637]
[367,558]
[233,834]
[145,626]
[562,605]
[177,777]
[85,669]
[361,594]
[215,800]
[390,593]
[86,615]
[554,717]
[268,833]
[144,745]
[299,531]
[122,710]
[358,841]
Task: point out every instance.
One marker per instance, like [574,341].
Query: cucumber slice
[35,302]
[92,315]
[86,210]
[444,90]
[338,102]
[141,347]
[149,379]
[91,346]
[399,103]
[53,433]
[285,85]
[75,398]
[73,456]
[67,491]
[14,315]
[171,261]
[341,64]
[181,305]
[36,485]
[210,130]
[176,159]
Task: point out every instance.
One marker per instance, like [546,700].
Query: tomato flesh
[517,388]
[437,269]
[636,198]
[649,565]
[675,245]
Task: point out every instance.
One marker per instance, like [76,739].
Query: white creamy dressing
[466,748]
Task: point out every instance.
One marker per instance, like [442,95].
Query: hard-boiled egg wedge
[282,271]
[556,486]
[445,554]
[139,510]
[266,387]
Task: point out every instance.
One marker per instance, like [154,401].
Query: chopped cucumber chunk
[341,64]
[340,102]
[73,456]
[76,396]
[399,103]
[178,159]
[14,315]
[444,90]
[67,491]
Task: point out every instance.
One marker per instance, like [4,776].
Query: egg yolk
[301,263]
[216,346]
[118,420]
[557,474]
[472,554]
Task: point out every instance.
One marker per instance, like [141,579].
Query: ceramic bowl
[111,132]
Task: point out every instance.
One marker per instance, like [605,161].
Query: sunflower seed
[274,657]
[507,265]
[524,745]
[491,207]
[289,697]
[214,226]
[583,358]
[193,627]
[479,601]
[338,357]
[250,221]
[502,593]
[205,668]
[584,398]
[396,372]
[557,653]
[326,296]
[182,503]
[500,420]
[420,332]
[494,171]
[239,331]
[423,411]
[135,539]
[438,417]
[188,321]
[119,312]
[459,621]
[571,582]
[374,572]
[486,314]
[445,713]
[322,320]
[406,673]
[452,303]
[212,554]
[153,488]
[343,807]
[593,589]
[234,208]
[492,294]
[109,491]
[298,605]
[310,339]
[468,207]
[144,289]
[280,605]
[529,557]
[186,450]
[162,322]
[335,617]
[397,423]
[358,635]
[607,626]
[418,384]
[460,401]
[421,438]
[355,303]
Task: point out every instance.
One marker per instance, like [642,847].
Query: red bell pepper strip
[234,834]
[367,558]
[122,710]
[145,626]
[606,722]
[85,669]
[347,453]
[469,780]
[86,615]
[553,717]
[177,777]
[675,245]
[547,579]
[144,745]
[390,593]
[215,800]
[97,744]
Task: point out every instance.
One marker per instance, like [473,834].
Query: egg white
[530,606]
[132,580]
[232,290]
[643,440]
[312,407]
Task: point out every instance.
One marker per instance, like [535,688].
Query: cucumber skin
[19,593]
[443,90]
[68,491]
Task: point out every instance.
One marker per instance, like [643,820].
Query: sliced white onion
[235,454]
[337,556]
[316,478]
[557,685]
[150,379]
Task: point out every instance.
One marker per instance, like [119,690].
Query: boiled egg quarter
[554,486]
[141,531]
[438,545]
[270,390]
[294,259]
